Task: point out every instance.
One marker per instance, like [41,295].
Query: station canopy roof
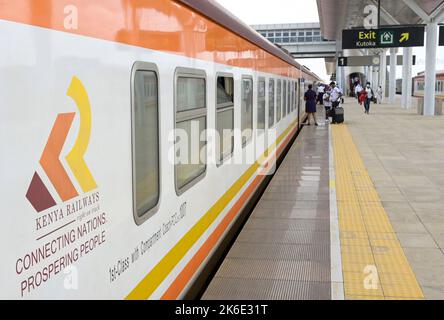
[346,14]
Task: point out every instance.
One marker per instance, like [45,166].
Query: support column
[392,76]
[406,100]
[430,70]
[343,81]
[383,72]
[339,70]
[370,75]
[375,83]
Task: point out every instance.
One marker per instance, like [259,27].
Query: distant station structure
[400,26]
[302,40]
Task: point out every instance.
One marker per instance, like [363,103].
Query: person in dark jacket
[310,98]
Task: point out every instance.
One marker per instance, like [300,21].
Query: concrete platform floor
[404,155]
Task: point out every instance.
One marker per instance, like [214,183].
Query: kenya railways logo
[38,194]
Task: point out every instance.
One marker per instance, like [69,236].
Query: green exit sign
[390,37]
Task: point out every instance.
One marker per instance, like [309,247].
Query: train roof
[217,13]
[422,73]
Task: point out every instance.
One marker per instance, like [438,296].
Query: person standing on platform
[335,95]
[327,103]
[321,90]
[310,98]
[379,95]
[369,97]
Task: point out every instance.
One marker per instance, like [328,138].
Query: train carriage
[95,203]
[419,85]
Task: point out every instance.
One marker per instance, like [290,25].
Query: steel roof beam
[438,14]
[418,10]
[385,14]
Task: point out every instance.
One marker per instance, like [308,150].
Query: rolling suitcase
[338,115]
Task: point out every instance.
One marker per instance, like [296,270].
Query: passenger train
[94,202]
[419,85]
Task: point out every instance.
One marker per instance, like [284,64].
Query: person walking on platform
[369,97]
[358,90]
[379,95]
[310,98]
[327,103]
[321,90]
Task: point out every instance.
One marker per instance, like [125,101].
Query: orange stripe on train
[162,25]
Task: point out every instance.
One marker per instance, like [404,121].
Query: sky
[290,11]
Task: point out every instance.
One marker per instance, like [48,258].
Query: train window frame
[259,99]
[188,116]
[273,124]
[140,66]
[289,97]
[247,141]
[220,109]
[285,97]
[278,98]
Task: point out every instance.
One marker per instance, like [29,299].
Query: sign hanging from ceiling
[359,61]
[441,35]
[390,37]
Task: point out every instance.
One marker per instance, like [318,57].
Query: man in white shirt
[335,95]
[358,89]
[369,98]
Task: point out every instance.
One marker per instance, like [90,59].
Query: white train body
[92,246]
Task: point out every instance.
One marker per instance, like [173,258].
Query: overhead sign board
[441,35]
[390,37]
[359,61]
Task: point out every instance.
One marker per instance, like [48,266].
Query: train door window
[145,141]
[279,101]
[284,84]
[191,122]
[271,106]
[261,104]
[247,109]
[295,95]
[225,116]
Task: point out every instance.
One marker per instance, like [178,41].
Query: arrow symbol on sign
[404,37]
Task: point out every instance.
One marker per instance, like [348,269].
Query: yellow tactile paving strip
[373,262]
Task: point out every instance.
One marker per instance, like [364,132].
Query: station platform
[355,211]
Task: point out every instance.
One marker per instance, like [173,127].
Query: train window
[285,100]
[295,95]
[191,122]
[261,104]
[271,109]
[225,116]
[247,109]
[145,141]
[279,101]
[292,96]
[289,98]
